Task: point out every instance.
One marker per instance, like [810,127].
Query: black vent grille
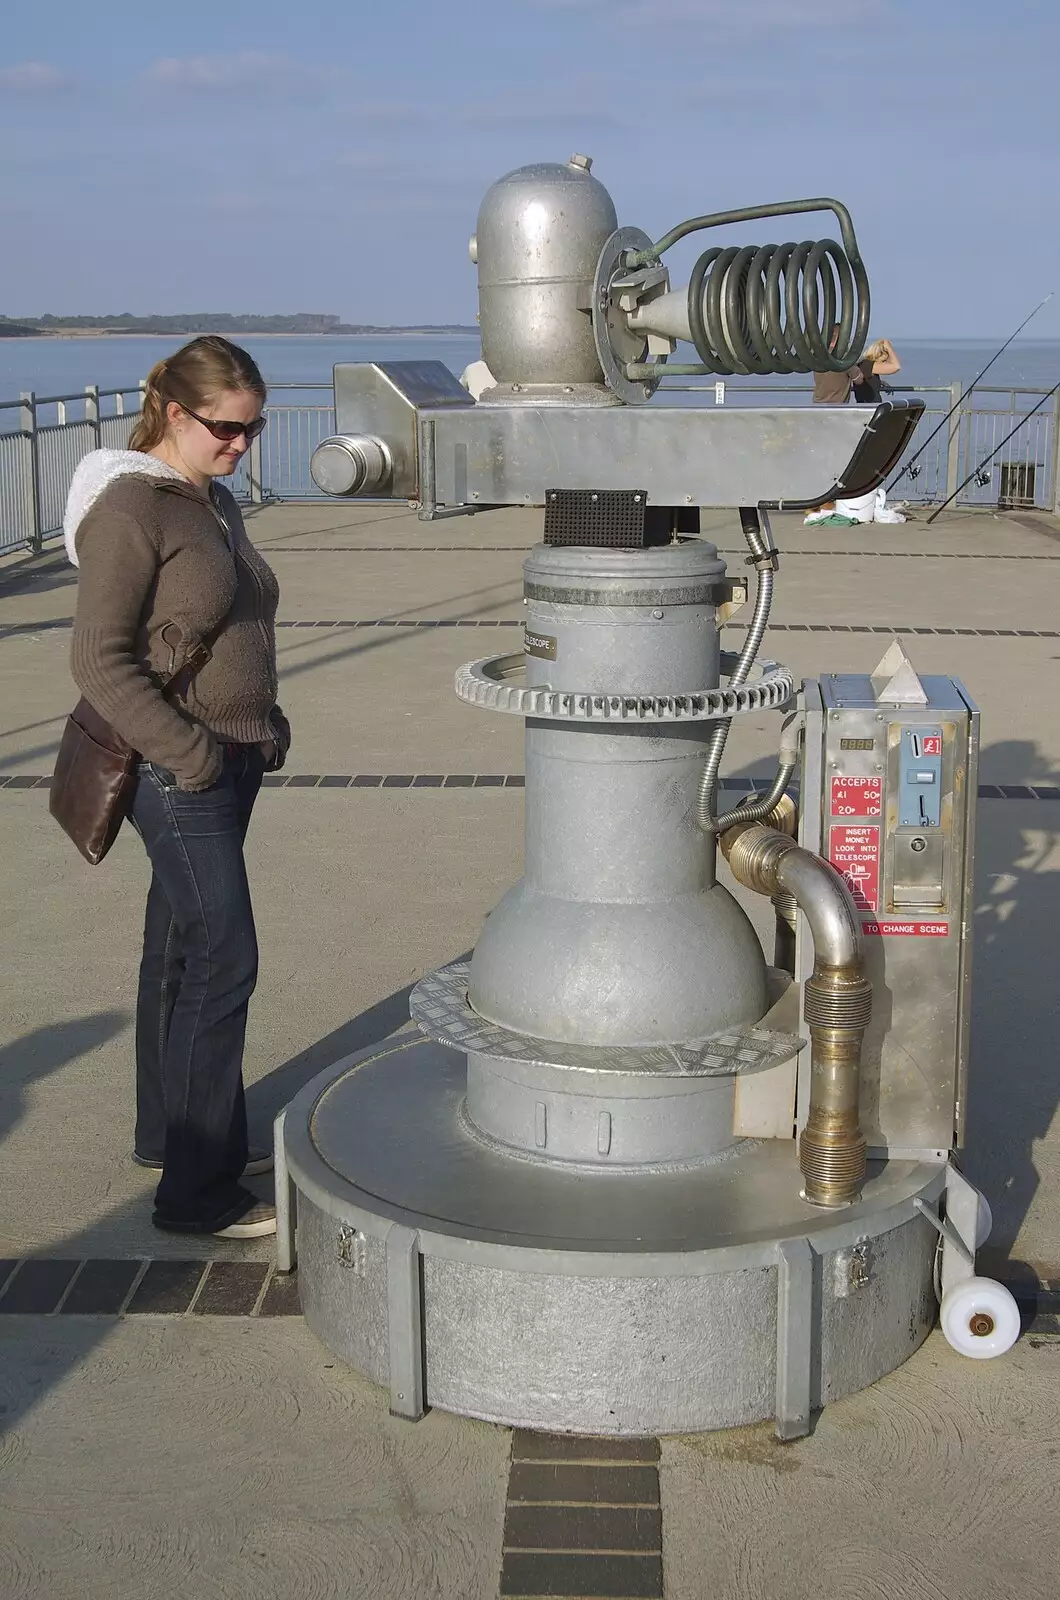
[609,518]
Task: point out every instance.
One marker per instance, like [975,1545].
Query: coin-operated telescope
[631,1175]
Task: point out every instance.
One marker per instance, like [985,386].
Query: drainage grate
[41,1286]
[583,1518]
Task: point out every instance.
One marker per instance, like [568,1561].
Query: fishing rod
[913,459]
[975,474]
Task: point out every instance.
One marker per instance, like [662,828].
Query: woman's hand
[889,363]
[269,750]
[282,741]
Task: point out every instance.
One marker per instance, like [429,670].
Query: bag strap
[181,680]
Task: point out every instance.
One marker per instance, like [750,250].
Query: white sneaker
[256,1223]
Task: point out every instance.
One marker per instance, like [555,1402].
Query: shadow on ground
[38,574]
[45,1050]
[1013,1083]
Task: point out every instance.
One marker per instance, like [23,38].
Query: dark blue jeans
[199,968]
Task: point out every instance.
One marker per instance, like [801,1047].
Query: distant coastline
[192,325]
[367,333]
[11,332]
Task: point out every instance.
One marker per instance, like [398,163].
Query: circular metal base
[607,1302]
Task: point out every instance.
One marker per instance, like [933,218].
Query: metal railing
[40,452]
[1027,469]
[276,467]
[42,439]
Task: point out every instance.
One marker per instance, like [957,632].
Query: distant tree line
[307,322]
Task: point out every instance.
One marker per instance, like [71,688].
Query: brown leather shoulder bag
[95,770]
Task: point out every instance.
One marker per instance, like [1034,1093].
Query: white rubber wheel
[980,1319]
[984,1222]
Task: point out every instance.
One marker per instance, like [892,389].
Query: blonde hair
[876,352]
[192,377]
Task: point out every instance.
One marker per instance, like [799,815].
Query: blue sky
[331,156]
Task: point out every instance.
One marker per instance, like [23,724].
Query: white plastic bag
[869,508]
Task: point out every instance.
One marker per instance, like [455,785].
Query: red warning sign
[931,745]
[857,797]
[855,852]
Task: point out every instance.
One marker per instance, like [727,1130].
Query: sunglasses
[227,431]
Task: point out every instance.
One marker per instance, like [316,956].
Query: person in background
[879,361]
[833,388]
[165,565]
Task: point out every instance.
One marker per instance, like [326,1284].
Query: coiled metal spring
[775,308]
[770,308]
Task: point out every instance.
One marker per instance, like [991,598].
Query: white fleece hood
[98,469]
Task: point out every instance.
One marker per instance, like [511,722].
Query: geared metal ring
[487,683]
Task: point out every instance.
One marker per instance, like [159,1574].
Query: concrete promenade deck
[201,1444]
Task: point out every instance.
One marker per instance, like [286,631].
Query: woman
[165,565]
[879,361]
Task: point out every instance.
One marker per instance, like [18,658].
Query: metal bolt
[657,615]
[981,1325]
[879,766]
[918,845]
[879,716]
[688,499]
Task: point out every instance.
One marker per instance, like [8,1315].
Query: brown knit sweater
[159,573]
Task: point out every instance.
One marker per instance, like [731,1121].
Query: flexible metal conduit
[764,557]
[838,1002]
[759,810]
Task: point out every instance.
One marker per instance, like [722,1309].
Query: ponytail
[206,367]
[151,424]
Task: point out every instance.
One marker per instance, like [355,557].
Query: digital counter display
[857,744]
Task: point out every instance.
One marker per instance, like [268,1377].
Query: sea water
[58,366]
